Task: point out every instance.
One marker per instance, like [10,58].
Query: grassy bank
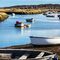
[23,11]
[27,11]
[3,16]
[31,9]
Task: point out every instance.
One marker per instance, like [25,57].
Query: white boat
[26,54]
[44,40]
[52,14]
[49,12]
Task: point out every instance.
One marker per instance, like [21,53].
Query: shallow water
[42,26]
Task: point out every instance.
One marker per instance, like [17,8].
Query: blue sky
[27,2]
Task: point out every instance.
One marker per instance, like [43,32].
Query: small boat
[26,54]
[19,24]
[22,25]
[44,40]
[30,20]
[51,14]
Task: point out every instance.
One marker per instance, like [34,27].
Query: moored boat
[26,54]
[51,14]
[44,40]
[21,24]
[30,20]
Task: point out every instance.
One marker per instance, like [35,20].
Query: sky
[27,2]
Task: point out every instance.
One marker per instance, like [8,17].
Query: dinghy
[30,20]
[26,54]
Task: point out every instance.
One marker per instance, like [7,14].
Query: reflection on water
[43,26]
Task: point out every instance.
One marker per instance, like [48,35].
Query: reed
[3,16]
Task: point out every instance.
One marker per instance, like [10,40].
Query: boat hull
[44,40]
[26,54]
[50,16]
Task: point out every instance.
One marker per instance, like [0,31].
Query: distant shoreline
[31,9]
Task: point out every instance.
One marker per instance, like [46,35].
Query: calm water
[43,26]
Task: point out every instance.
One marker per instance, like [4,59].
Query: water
[4,3]
[43,26]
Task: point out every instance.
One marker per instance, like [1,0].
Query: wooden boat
[26,54]
[44,40]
